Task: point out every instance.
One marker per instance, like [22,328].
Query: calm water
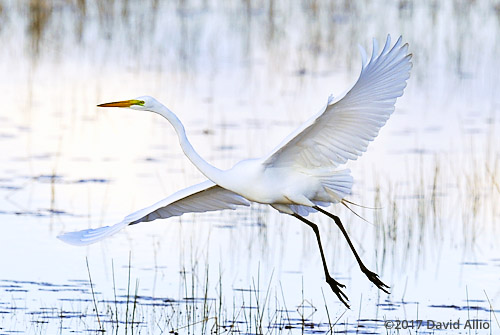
[242,75]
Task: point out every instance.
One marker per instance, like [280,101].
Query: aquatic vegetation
[432,176]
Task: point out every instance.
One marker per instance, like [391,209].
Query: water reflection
[40,12]
[310,36]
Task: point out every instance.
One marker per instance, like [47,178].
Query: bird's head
[140,103]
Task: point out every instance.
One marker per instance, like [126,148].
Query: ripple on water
[59,179]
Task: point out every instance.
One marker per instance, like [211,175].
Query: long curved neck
[210,171]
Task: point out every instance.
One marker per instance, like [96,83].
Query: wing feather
[203,197]
[345,126]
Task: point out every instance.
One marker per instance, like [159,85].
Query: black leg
[372,276]
[335,285]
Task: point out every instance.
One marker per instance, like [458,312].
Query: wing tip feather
[89,236]
[362,51]
[374,50]
[77,238]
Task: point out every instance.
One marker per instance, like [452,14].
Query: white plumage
[343,129]
[202,197]
[302,173]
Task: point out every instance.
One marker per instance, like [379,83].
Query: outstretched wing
[203,197]
[344,128]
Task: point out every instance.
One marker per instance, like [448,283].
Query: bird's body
[278,185]
[304,172]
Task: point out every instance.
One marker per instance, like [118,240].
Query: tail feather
[337,184]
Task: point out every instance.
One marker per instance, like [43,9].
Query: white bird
[302,173]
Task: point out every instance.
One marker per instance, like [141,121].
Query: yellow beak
[124,103]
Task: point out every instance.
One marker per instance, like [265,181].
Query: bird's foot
[336,286]
[373,277]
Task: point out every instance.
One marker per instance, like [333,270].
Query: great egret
[301,173]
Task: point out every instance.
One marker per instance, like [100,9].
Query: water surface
[241,76]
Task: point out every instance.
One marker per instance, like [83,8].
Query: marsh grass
[403,226]
[441,190]
[406,218]
[446,199]
[256,313]
[93,296]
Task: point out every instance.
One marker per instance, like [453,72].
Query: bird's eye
[141,102]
